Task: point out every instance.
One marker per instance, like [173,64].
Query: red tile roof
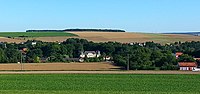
[187,64]
[178,53]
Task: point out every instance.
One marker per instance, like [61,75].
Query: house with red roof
[178,54]
[187,66]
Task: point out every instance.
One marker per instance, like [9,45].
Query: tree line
[141,56]
[79,30]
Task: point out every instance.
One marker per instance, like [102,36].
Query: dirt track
[98,72]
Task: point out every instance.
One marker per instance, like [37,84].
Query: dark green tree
[186,58]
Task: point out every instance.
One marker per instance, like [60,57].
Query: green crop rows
[35,34]
[98,84]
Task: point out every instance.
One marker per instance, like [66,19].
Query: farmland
[123,37]
[59,66]
[17,37]
[35,34]
[127,37]
[99,83]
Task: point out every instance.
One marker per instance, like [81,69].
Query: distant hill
[78,30]
[186,33]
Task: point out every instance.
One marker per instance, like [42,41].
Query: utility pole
[21,62]
[128,61]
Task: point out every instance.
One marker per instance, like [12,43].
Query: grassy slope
[98,83]
[35,34]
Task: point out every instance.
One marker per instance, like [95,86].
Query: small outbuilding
[187,66]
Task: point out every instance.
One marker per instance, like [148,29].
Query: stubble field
[127,37]
[123,37]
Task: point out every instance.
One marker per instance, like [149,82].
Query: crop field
[35,34]
[99,84]
[11,40]
[127,37]
[59,66]
[123,37]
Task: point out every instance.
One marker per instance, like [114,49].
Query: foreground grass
[98,84]
[35,34]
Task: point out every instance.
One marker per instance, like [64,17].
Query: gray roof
[86,52]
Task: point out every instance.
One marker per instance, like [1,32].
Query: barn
[187,66]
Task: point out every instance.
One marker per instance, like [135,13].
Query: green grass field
[35,34]
[99,84]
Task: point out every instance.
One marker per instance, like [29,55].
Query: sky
[130,15]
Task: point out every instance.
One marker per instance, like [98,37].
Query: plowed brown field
[58,66]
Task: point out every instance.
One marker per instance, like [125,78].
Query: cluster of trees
[147,56]
[78,30]
[44,31]
[94,30]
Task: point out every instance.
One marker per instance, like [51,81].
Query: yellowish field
[52,39]
[9,40]
[126,37]
[123,37]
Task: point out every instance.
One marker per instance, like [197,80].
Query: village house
[142,44]
[178,54]
[187,66]
[34,43]
[24,51]
[131,43]
[197,59]
[90,54]
[107,58]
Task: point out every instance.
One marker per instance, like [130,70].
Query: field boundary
[98,72]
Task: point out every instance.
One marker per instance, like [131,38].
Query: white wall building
[90,54]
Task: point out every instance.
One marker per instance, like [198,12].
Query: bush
[147,68]
[169,67]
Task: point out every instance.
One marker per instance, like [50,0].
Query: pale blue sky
[130,15]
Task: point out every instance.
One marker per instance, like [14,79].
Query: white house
[107,58]
[34,43]
[187,66]
[90,54]
[178,54]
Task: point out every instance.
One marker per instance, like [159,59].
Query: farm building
[187,66]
